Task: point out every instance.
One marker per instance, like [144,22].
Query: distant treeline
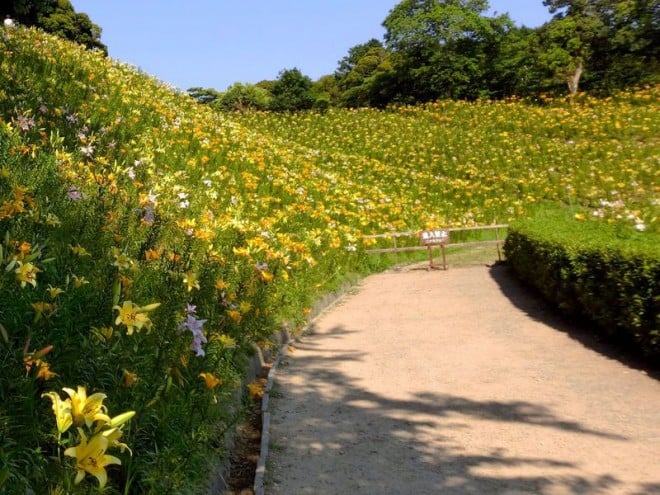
[435,49]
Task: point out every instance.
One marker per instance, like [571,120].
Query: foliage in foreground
[145,246]
[148,243]
[590,268]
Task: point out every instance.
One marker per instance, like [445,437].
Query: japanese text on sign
[428,237]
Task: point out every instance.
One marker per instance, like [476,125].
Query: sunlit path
[456,382]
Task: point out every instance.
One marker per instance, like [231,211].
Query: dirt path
[457,382]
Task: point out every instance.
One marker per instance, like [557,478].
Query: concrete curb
[260,473]
[286,340]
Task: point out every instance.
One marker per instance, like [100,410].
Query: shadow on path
[374,443]
[528,300]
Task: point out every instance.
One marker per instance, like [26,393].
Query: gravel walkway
[458,382]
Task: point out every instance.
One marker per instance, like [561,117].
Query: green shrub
[608,273]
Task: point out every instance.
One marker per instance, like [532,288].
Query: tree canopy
[292,91]
[240,97]
[441,47]
[612,42]
[57,17]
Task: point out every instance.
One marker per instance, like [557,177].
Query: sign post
[437,237]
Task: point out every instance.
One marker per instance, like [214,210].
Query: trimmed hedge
[607,273]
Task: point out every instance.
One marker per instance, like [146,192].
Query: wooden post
[444,259]
[396,250]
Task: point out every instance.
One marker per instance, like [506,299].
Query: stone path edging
[285,340]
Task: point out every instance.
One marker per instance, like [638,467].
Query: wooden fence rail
[442,245]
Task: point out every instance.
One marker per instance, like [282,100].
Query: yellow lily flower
[52,220]
[210,380]
[26,273]
[53,292]
[44,371]
[255,390]
[242,252]
[24,249]
[122,261]
[134,316]
[129,378]
[78,282]
[86,410]
[225,340]
[235,315]
[151,254]
[78,250]
[62,410]
[191,281]
[91,457]
[43,308]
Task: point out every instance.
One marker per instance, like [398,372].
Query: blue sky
[214,43]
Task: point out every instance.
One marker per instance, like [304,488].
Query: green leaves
[592,269]
[431,23]
[442,48]
[292,91]
[58,17]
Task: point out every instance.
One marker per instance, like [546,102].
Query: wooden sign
[432,237]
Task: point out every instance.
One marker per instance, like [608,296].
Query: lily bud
[120,419]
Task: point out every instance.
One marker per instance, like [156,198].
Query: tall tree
[326,91]
[612,43]
[570,36]
[206,96]
[358,71]
[346,64]
[240,97]
[630,52]
[440,46]
[292,91]
[636,24]
[510,66]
